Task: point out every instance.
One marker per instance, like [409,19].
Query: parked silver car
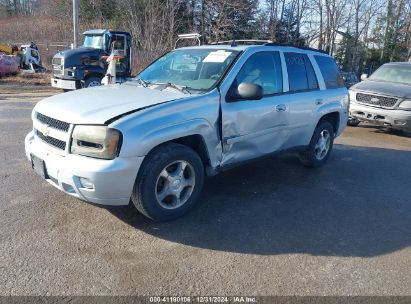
[195,111]
[384,98]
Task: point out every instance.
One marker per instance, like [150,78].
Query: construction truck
[28,55]
[87,65]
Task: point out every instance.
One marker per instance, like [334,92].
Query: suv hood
[384,88]
[99,104]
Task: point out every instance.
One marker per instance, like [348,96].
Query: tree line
[360,34]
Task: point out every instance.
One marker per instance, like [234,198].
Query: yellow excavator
[29,55]
[8,50]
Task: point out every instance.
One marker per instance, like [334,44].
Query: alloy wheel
[175,184]
[323,144]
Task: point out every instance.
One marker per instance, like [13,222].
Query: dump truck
[87,65]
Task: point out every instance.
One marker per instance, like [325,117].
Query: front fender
[164,134]
[147,128]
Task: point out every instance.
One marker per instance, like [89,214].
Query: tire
[92,82]
[318,152]
[158,183]
[352,122]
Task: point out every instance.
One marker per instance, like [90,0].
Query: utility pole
[75,23]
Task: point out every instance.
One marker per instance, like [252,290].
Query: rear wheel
[168,183]
[320,146]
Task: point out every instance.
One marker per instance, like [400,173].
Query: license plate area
[39,166]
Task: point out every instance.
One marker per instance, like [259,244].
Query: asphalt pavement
[271,227]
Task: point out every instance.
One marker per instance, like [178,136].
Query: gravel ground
[272,227]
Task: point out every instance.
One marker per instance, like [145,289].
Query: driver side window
[263,69]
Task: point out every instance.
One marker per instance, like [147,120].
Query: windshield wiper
[183,89]
[144,83]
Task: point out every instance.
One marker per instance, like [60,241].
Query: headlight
[96,141]
[352,95]
[405,105]
[346,103]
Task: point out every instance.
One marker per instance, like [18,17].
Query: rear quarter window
[330,71]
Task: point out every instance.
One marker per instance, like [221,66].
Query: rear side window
[301,75]
[330,72]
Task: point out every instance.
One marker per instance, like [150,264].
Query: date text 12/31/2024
[202,299]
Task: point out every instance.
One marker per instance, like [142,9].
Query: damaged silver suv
[193,112]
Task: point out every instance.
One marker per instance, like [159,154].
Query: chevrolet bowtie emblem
[45,129]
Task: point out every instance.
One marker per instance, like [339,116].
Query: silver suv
[384,98]
[195,111]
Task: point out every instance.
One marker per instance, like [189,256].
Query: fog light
[70,73]
[86,183]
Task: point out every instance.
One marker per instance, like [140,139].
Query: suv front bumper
[112,180]
[398,119]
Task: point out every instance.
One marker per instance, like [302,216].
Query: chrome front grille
[58,66]
[376,100]
[56,143]
[57,61]
[54,132]
[57,70]
[53,123]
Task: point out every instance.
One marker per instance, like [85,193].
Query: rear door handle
[281,108]
[319,101]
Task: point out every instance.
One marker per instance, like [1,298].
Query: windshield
[94,41]
[393,73]
[195,69]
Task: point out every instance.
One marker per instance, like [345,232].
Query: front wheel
[169,182]
[320,146]
[353,122]
[92,82]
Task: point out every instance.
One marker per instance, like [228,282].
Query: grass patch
[39,79]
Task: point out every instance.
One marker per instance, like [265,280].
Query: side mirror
[364,76]
[248,91]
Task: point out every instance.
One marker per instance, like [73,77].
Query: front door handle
[281,108]
[319,101]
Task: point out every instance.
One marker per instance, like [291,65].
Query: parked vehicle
[195,111]
[385,97]
[27,57]
[86,66]
[8,65]
[350,78]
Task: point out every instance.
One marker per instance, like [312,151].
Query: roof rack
[295,46]
[188,36]
[235,42]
